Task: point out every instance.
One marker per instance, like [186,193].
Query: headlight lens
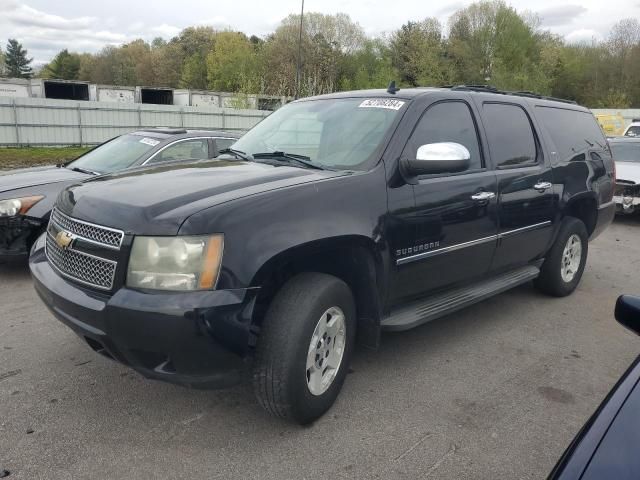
[15,206]
[175,263]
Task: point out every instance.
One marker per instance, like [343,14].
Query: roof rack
[167,130]
[492,89]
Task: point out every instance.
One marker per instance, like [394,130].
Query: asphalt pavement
[495,391]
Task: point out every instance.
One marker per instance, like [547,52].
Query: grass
[33,156]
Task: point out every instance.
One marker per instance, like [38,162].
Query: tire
[556,277]
[298,313]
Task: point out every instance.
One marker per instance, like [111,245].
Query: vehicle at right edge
[334,218]
[626,153]
[607,445]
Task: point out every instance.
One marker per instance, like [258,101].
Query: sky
[45,27]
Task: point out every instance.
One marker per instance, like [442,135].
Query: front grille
[106,236]
[82,267]
[626,189]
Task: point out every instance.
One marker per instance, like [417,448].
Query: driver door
[454,221]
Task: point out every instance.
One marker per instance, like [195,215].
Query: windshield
[626,152]
[117,154]
[333,133]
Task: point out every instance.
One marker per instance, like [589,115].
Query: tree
[417,52]
[64,66]
[2,67]
[194,72]
[232,65]
[16,62]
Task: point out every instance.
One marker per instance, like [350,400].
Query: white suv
[633,130]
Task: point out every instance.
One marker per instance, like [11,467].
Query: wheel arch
[584,207]
[354,259]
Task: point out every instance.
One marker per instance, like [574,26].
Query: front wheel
[562,269]
[305,347]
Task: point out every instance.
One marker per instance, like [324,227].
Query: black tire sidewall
[551,280]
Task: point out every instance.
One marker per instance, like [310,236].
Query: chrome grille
[106,236]
[82,267]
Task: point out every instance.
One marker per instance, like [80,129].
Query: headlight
[175,263]
[15,206]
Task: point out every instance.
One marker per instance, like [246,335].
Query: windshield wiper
[300,159]
[84,170]
[238,153]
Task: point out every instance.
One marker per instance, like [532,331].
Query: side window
[222,143]
[573,132]
[447,122]
[510,135]
[186,150]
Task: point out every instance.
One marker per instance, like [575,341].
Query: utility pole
[299,66]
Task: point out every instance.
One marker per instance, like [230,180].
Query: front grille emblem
[64,239]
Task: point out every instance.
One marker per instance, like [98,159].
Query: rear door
[525,183]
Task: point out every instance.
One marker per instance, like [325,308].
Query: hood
[629,171]
[156,201]
[32,177]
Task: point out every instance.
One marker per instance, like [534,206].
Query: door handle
[542,186]
[483,196]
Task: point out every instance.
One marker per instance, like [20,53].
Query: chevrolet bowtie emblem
[64,239]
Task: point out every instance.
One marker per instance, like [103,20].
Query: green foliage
[16,63]
[487,42]
[65,66]
[232,64]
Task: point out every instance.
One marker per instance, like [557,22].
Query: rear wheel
[305,347]
[562,269]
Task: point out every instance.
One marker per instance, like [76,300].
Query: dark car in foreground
[607,446]
[626,153]
[27,195]
[334,218]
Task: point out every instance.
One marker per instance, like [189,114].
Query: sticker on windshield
[150,141]
[382,103]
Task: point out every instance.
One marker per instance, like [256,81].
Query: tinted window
[188,150]
[510,136]
[573,132]
[447,122]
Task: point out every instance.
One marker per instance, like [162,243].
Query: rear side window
[510,135]
[573,132]
[447,122]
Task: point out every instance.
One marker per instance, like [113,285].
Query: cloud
[44,34]
[583,35]
[165,30]
[560,15]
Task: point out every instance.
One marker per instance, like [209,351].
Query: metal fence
[44,122]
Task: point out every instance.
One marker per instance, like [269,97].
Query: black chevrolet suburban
[336,217]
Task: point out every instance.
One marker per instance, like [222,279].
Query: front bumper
[197,339]
[626,203]
[16,236]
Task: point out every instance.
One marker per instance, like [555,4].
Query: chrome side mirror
[443,157]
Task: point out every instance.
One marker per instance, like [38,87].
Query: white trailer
[15,87]
[59,89]
[154,95]
[196,98]
[112,94]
